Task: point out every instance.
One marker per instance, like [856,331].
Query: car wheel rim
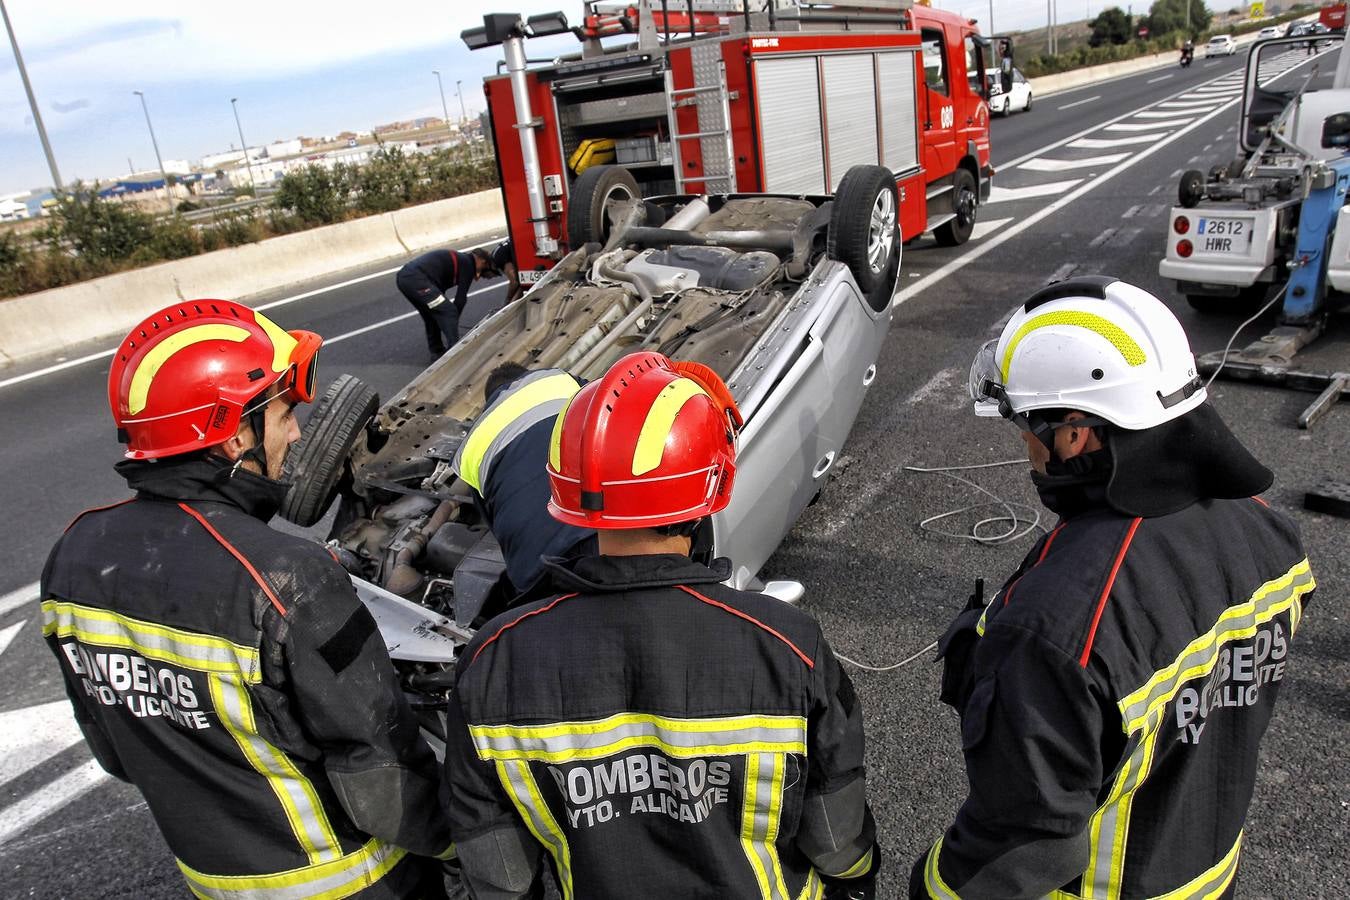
[881,231]
[617,192]
[965,207]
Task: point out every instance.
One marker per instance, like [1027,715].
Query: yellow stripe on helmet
[161,353]
[282,342]
[651,442]
[555,442]
[1129,349]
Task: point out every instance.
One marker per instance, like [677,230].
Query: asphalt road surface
[1083,186]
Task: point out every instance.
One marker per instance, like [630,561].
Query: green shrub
[98,230]
[315,195]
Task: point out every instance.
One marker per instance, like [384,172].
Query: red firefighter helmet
[182,379]
[642,447]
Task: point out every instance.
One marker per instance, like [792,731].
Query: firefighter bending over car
[655,732]
[503,460]
[228,670]
[1113,694]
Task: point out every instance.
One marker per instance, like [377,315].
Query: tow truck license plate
[1223,235]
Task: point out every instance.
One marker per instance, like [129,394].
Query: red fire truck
[707,97]
[1332,15]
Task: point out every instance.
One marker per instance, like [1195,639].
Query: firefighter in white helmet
[1114,692]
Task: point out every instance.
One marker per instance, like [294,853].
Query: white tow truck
[1268,220]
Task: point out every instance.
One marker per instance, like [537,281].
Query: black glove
[863,887]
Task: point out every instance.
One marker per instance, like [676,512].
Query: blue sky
[298,67]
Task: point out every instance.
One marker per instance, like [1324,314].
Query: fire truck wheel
[864,231]
[587,220]
[318,460]
[957,230]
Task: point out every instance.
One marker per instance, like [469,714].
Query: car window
[934,60]
[1018,76]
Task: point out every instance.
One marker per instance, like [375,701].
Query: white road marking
[34,734]
[70,364]
[982,227]
[1102,238]
[27,811]
[1062,273]
[1144,126]
[1041,164]
[1108,143]
[942,272]
[1001,194]
[7,635]
[1159,78]
[1153,190]
[14,599]
[1172,113]
[1078,103]
[936,383]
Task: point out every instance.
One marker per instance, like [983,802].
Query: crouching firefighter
[1113,694]
[228,670]
[657,733]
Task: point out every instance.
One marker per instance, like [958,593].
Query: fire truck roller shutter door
[789,121]
[850,113]
[899,128]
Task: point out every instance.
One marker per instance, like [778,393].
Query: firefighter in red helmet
[228,670]
[650,730]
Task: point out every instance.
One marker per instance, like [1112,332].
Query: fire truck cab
[706,97]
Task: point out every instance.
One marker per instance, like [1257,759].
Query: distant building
[14,207]
[283,149]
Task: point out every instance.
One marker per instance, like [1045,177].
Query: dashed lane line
[1144,126]
[1158,79]
[1002,195]
[14,599]
[1108,143]
[29,810]
[8,634]
[1078,103]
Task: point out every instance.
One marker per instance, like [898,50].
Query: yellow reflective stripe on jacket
[534,398]
[1211,883]
[1110,826]
[814,888]
[186,649]
[341,877]
[229,668]
[297,797]
[677,738]
[520,786]
[932,879]
[1201,655]
[761,809]
[862,865]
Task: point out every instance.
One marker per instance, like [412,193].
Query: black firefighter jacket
[660,735]
[1112,697]
[231,674]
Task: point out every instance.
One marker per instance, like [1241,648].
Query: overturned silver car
[788,298]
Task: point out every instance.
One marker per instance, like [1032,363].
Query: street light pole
[168,195]
[32,101]
[445,110]
[234,104]
[463,116]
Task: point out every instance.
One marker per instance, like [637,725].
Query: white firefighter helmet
[1094,344]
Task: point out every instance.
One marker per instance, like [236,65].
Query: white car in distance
[1221,45]
[1003,102]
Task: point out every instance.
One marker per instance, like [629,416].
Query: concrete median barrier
[53,320]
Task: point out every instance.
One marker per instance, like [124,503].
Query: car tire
[318,460]
[865,231]
[1027,108]
[587,220]
[965,201]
